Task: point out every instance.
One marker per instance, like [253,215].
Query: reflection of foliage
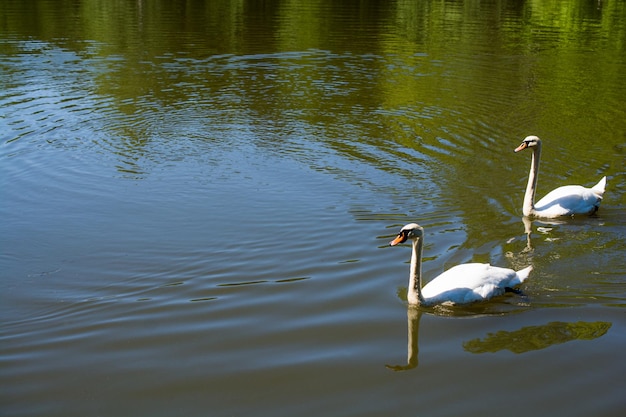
[537,337]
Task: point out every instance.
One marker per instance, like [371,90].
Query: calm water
[197,199]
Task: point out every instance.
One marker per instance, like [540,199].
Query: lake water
[197,199]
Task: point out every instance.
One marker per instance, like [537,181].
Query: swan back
[468,283]
[568,201]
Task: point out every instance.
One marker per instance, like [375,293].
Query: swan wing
[468,283]
[600,186]
[569,200]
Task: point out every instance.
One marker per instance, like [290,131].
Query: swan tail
[600,186]
[523,274]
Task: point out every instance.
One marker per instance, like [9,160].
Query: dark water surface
[196,201]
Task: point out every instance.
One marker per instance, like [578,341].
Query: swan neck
[414,293]
[529,197]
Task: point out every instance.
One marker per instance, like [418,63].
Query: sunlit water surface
[196,208]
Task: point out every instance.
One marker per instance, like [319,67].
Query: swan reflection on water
[545,226]
[526,339]
[414,315]
[528,229]
[413,319]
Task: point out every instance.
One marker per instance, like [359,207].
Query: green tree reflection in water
[537,337]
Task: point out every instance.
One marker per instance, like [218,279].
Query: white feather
[563,201]
[468,283]
[461,284]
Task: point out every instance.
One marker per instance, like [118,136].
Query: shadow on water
[531,338]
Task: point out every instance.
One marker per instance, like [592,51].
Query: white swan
[461,284]
[563,201]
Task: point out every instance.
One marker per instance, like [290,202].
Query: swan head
[529,142]
[409,231]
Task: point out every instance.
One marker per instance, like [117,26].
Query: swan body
[462,284]
[563,201]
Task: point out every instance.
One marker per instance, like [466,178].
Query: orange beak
[521,147]
[401,238]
